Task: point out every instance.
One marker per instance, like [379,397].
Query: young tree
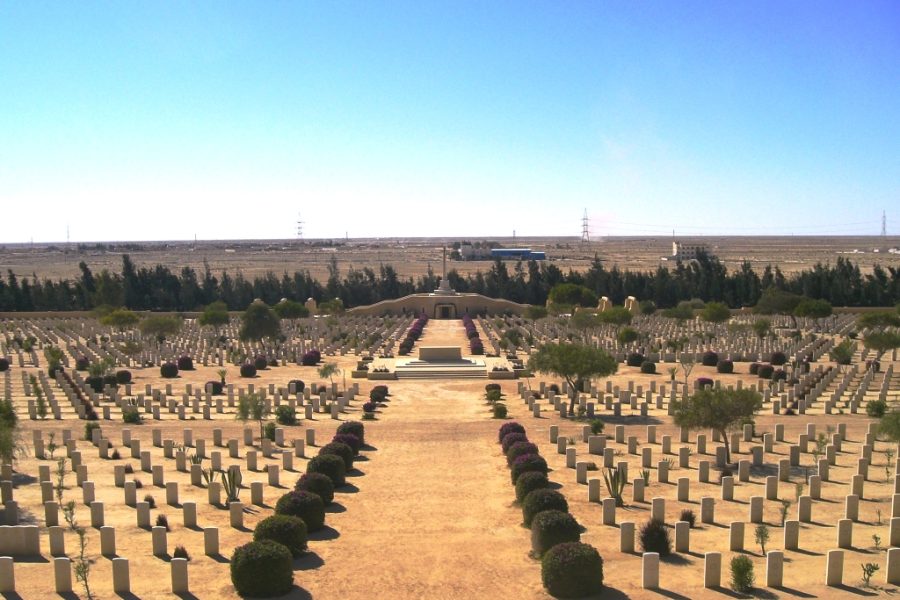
[878,320]
[617,316]
[682,312]
[288,309]
[259,322]
[809,307]
[214,315]
[329,370]
[761,327]
[687,365]
[881,342]
[252,407]
[573,362]
[717,409]
[889,426]
[715,312]
[535,312]
[120,318]
[160,326]
[9,432]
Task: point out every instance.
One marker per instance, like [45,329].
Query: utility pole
[299,228]
[883,224]
[585,228]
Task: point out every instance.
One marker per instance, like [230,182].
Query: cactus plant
[231,483]
[615,484]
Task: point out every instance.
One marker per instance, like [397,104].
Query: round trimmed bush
[572,570]
[317,483]
[709,359]
[110,380]
[262,569]
[510,427]
[492,386]
[703,382]
[779,374]
[261,363]
[248,370]
[778,358]
[725,366]
[81,363]
[331,466]
[96,383]
[284,529]
[765,371]
[353,428]
[754,368]
[648,368]
[311,358]
[520,449]
[552,527]
[214,387]
[339,449]
[510,439]
[635,359]
[123,377]
[655,538]
[369,407]
[499,410]
[169,370]
[185,363]
[540,500]
[553,388]
[526,463]
[299,386]
[305,505]
[349,439]
[528,482]
[285,415]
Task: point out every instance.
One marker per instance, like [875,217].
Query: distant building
[685,252]
[517,253]
[472,252]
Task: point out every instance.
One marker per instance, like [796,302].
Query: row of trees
[707,279]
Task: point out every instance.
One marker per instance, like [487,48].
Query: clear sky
[162,120]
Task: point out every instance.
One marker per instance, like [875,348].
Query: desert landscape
[412,257]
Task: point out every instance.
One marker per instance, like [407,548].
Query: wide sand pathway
[433,517]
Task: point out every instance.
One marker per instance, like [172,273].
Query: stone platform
[440,362]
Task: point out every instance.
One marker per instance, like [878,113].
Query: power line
[585,228]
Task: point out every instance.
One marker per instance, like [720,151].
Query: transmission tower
[299,227]
[585,228]
[883,224]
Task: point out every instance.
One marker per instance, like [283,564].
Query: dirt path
[433,516]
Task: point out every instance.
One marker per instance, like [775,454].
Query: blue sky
[162,120]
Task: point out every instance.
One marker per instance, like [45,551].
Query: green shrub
[741,574]
[168,370]
[572,570]
[89,430]
[331,466]
[339,449]
[132,416]
[597,426]
[284,529]
[499,410]
[876,408]
[354,428]
[552,527]
[634,359]
[528,482]
[655,538]
[725,366]
[541,500]
[688,516]
[305,505]
[269,431]
[317,483]
[285,415]
[262,569]
[648,368]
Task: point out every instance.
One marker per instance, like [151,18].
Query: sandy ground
[431,513]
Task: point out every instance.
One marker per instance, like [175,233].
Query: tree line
[162,289]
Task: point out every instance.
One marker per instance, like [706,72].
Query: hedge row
[569,568]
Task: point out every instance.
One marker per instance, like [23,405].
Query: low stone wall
[430,303]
